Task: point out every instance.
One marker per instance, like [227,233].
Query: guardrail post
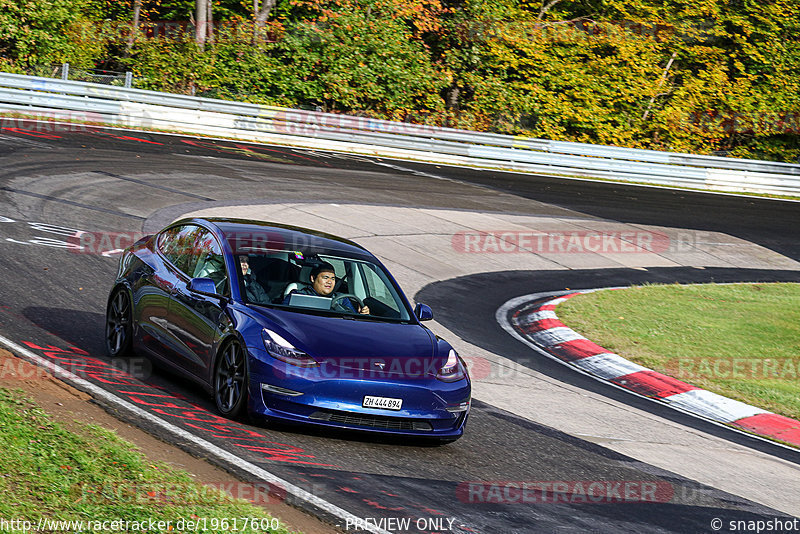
[65,71]
[128,79]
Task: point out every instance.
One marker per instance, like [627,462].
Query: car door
[154,294]
[196,320]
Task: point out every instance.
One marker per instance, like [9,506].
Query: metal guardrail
[141,108]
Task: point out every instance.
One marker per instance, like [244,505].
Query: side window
[377,288]
[210,263]
[177,244]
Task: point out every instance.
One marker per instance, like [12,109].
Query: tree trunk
[262,14]
[660,83]
[200,20]
[137,12]
[210,22]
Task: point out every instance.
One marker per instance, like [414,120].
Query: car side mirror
[423,312]
[204,286]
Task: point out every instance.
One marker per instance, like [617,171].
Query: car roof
[290,237]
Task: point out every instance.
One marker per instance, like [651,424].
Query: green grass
[741,341]
[48,471]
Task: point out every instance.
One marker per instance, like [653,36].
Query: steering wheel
[348,296]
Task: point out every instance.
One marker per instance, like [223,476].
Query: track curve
[112,181]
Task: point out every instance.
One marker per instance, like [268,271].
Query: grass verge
[741,341]
[50,473]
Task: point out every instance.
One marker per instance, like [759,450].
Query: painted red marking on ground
[33,133]
[162,402]
[284,455]
[773,425]
[542,324]
[379,506]
[576,350]
[652,384]
[126,137]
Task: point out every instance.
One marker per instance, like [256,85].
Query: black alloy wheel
[119,319]
[230,380]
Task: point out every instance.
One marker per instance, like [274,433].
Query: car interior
[281,272]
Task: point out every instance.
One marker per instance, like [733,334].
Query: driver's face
[324,282]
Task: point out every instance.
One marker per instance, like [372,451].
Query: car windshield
[355,288]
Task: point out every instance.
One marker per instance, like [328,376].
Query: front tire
[119,321]
[230,380]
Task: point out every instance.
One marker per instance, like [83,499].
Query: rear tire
[119,325]
[230,380]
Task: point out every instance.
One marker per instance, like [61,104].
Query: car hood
[354,343]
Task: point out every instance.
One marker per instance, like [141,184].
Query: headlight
[452,370]
[279,348]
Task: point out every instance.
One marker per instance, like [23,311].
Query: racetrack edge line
[210,448]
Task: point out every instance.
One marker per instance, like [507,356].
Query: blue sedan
[287,324]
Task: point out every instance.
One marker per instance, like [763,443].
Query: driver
[323,280]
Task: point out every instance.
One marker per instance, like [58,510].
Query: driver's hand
[364,310]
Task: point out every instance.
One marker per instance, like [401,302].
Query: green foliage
[356,56]
[597,72]
[714,76]
[172,65]
[33,33]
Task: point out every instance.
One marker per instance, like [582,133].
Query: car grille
[372,421]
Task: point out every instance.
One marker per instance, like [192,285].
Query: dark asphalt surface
[53,299]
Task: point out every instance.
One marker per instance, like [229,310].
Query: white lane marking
[555,336]
[46,242]
[540,315]
[609,365]
[53,228]
[179,433]
[713,405]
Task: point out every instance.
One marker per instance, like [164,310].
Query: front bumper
[431,408]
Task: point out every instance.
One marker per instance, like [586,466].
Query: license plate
[384,403]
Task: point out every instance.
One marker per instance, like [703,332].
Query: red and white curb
[533,320]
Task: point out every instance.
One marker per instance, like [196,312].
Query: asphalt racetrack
[53,303]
